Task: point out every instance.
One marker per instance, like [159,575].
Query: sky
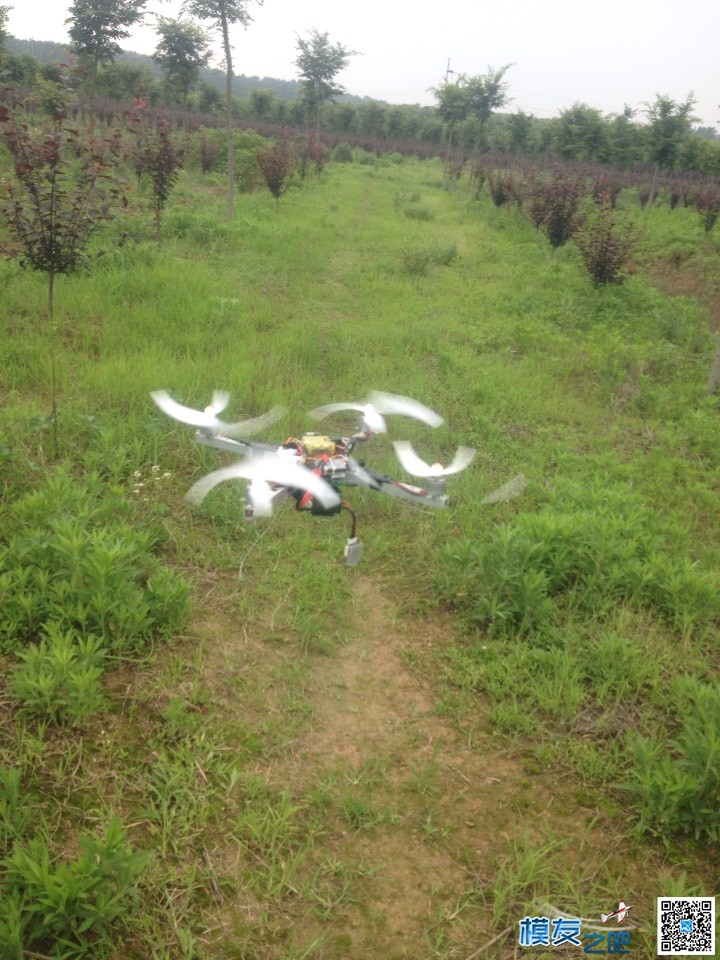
[604,53]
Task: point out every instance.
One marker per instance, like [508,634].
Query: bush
[678,790]
[277,163]
[553,207]
[419,213]
[707,204]
[64,910]
[606,243]
[60,678]
[209,149]
[418,260]
[505,186]
[342,153]
[589,559]
[70,560]
[248,175]
[364,157]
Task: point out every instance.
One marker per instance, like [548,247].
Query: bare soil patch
[419,815]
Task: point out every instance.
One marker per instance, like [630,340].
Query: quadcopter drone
[311,468]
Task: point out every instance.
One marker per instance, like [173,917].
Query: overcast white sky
[604,53]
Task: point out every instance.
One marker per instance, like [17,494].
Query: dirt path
[416,815]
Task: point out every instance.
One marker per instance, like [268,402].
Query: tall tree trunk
[228,94]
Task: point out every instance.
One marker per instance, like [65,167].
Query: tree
[582,134]
[262,103]
[95,28]
[209,98]
[20,69]
[181,51]
[606,243]
[318,63]
[125,81]
[486,93]
[553,206]
[4,17]
[222,14]
[669,126]
[452,106]
[520,127]
[65,187]
[277,163]
[471,99]
[625,138]
[156,156]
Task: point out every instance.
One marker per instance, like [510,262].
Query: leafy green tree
[52,71]
[4,16]
[520,126]
[222,14]
[125,81]
[95,28]
[209,98]
[181,51]
[319,62]
[395,122]
[625,138]
[582,134]
[452,108]
[669,126]
[470,102]
[20,69]
[486,93]
[372,117]
[262,103]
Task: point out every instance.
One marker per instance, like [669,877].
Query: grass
[300,794]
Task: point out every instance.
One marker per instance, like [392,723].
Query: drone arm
[433,495]
[241,447]
[420,496]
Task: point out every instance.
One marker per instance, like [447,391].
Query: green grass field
[505,710]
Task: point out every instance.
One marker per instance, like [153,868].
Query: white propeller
[262,471]
[508,490]
[414,465]
[379,404]
[207,420]
[394,403]
[371,418]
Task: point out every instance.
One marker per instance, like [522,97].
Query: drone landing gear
[353,546]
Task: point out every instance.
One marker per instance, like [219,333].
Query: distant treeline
[579,133]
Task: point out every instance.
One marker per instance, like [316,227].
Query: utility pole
[449,71]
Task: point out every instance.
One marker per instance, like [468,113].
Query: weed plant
[72,561]
[64,909]
[419,260]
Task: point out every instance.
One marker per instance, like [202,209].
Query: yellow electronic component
[315,445]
